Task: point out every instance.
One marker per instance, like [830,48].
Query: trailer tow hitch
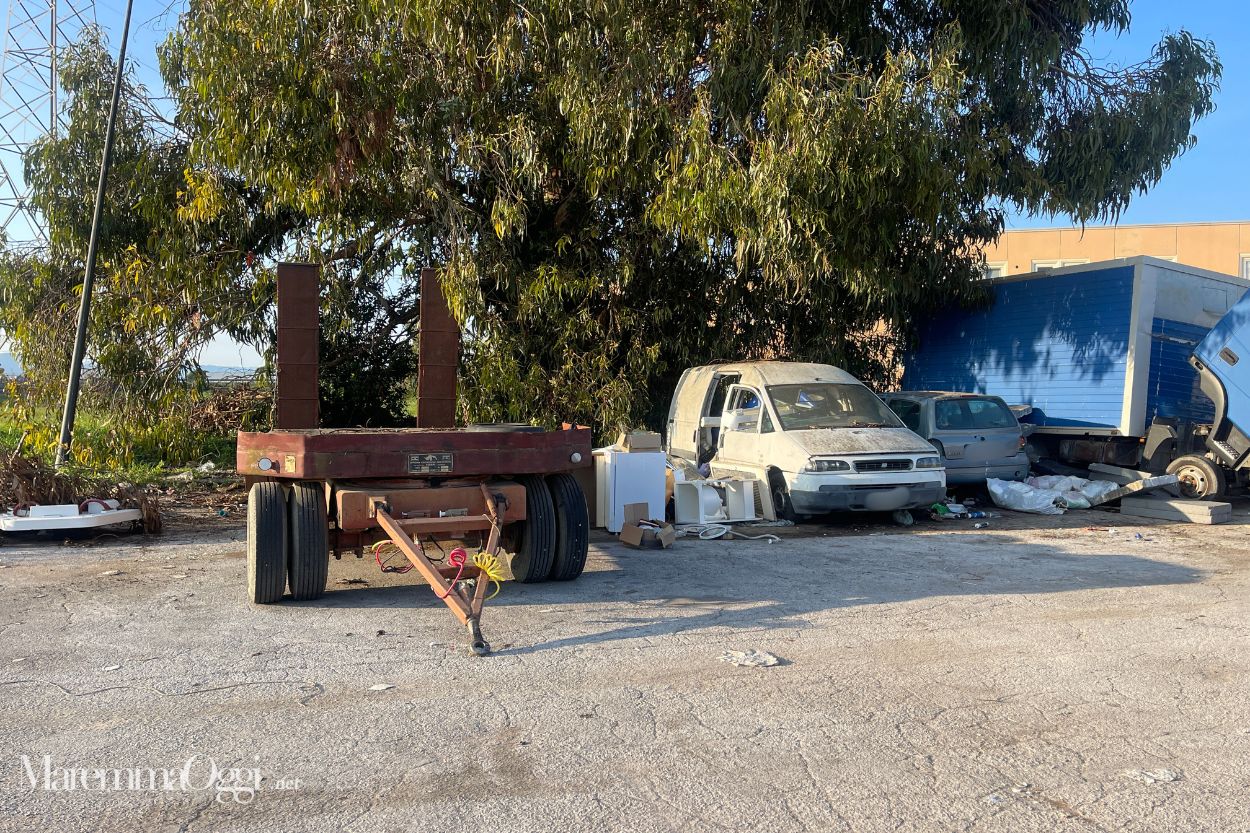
[450,583]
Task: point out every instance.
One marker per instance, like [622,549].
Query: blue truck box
[1097,350]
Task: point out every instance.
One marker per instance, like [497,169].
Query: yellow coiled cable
[492,569]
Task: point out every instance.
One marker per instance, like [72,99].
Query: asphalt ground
[1080,673]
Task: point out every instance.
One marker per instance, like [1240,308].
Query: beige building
[1220,247]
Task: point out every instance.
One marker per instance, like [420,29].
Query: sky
[1211,182]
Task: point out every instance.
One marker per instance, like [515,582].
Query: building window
[1245,267]
[997,269]
[1044,265]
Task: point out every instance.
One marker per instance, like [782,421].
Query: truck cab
[815,436]
[1222,360]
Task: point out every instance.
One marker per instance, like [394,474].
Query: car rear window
[972,414]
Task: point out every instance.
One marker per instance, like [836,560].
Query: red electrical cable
[456,558]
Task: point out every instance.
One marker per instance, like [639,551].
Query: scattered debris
[750,659]
[382,687]
[711,532]
[352,580]
[111,668]
[111,573]
[639,531]
[20,659]
[1154,776]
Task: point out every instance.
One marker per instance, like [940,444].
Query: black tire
[1200,479]
[782,507]
[572,527]
[536,535]
[266,542]
[308,550]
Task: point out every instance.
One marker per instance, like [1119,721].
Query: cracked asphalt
[1035,676]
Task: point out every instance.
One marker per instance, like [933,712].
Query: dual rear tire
[287,542]
[552,541]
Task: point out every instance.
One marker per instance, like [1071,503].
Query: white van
[820,439]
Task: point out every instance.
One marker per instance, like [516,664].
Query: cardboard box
[639,531]
[638,441]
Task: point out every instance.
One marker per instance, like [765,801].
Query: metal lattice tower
[35,30]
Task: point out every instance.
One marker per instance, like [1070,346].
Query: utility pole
[84,308]
[34,31]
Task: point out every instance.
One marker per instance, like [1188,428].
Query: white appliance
[714,501]
[623,477]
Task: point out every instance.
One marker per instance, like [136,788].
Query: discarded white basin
[89,514]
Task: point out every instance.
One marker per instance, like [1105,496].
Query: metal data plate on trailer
[430,463]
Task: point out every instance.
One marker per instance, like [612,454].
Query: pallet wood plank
[1137,487]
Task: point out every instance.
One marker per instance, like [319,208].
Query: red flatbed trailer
[321,491]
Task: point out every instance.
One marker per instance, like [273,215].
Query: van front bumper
[809,496]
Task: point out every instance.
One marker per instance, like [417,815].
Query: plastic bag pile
[1048,495]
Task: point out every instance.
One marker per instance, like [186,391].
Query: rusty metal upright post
[299,309]
[438,357]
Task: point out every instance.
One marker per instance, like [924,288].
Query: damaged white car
[819,439]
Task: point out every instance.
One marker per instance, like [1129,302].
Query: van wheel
[1200,479]
[782,507]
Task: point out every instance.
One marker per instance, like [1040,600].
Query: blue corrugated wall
[1058,343]
[1173,387]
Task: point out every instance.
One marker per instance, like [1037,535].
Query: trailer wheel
[1200,479]
[572,527]
[266,542]
[308,556]
[536,535]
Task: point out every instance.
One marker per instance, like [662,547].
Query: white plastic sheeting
[1048,495]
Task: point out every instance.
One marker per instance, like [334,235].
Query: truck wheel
[572,527]
[308,559]
[536,535]
[782,507]
[266,542]
[1200,479]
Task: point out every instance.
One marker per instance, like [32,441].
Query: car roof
[940,394]
[787,373]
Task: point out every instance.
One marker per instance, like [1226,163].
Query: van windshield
[828,405]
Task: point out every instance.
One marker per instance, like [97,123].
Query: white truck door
[684,415]
[740,424]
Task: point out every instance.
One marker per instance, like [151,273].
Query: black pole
[84,309]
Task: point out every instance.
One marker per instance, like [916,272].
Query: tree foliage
[186,253]
[617,189]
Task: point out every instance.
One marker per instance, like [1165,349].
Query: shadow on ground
[748,585]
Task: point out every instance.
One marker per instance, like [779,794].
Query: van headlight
[929,463]
[826,465]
